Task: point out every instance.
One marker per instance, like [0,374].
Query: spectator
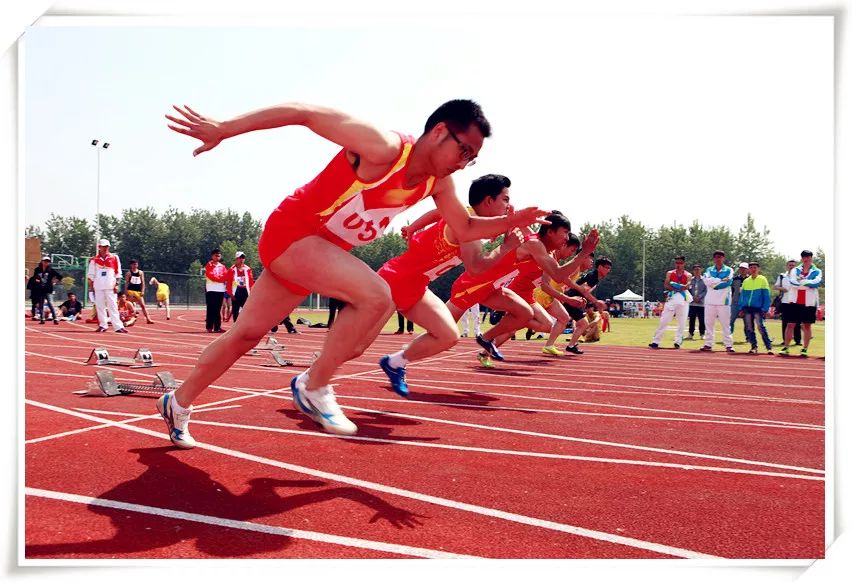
[71,309]
[103,274]
[717,302]
[216,275]
[44,276]
[698,290]
[134,285]
[240,282]
[31,287]
[676,283]
[782,284]
[803,297]
[753,307]
[288,324]
[334,305]
[400,318]
[736,286]
[162,292]
[470,318]
[126,310]
[227,304]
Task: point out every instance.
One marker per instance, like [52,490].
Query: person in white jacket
[801,300]
[717,302]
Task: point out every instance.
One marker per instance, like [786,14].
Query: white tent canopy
[628,296]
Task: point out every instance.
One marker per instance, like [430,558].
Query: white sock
[397,360]
[178,408]
[302,380]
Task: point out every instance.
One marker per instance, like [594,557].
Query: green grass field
[638,332]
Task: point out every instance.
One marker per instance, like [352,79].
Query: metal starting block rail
[143,358]
[270,344]
[105,384]
[280,360]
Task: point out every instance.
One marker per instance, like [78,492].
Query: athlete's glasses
[467,154]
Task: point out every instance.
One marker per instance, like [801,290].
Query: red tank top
[505,270]
[429,253]
[675,278]
[342,207]
[528,277]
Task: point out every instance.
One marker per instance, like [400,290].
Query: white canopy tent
[628,296]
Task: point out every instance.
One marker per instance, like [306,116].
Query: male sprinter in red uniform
[431,253]
[376,175]
[485,286]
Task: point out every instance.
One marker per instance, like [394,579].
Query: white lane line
[141,416]
[245,525]
[461,506]
[722,417]
[510,452]
[578,413]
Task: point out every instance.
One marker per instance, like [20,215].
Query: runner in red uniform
[376,175]
[431,253]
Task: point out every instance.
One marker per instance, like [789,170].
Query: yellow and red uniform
[341,208]
[430,254]
[468,290]
[527,279]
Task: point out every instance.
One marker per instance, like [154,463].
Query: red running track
[618,453]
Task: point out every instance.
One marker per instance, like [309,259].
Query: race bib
[357,226]
[442,268]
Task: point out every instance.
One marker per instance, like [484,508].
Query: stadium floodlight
[104,146]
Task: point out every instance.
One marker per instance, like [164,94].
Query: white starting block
[143,358]
[270,344]
[105,384]
[281,361]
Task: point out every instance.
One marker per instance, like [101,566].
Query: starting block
[143,358]
[270,344]
[105,384]
[281,361]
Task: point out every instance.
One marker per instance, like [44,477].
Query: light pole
[104,146]
[643,269]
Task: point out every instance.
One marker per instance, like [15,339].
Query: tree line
[180,242]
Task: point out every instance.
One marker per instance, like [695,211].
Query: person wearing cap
[696,309]
[803,297]
[240,282]
[216,274]
[678,297]
[104,272]
[42,288]
[782,284]
[736,287]
[162,291]
[754,305]
[717,302]
[134,285]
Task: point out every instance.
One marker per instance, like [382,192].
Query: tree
[68,236]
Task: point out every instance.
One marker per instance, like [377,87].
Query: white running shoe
[178,423]
[322,407]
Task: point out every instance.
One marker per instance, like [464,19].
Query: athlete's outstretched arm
[469,228]
[551,266]
[358,136]
[430,217]
[475,262]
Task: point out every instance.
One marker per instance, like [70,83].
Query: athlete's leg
[561,319]
[437,319]
[580,326]
[518,312]
[541,321]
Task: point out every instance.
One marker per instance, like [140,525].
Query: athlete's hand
[405,232]
[591,240]
[577,302]
[207,130]
[527,216]
[512,240]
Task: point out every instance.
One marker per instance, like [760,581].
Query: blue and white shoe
[178,423]
[396,376]
[321,406]
[490,348]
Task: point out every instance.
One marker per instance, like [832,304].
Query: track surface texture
[618,453]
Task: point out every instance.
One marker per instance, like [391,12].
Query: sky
[667,120]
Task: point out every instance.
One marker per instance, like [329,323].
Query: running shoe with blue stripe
[178,423]
[321,406]
[490,348]
[396,376]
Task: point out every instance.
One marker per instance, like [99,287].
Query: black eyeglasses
[467,154]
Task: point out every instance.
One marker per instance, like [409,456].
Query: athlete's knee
[523,312]
[447,336]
